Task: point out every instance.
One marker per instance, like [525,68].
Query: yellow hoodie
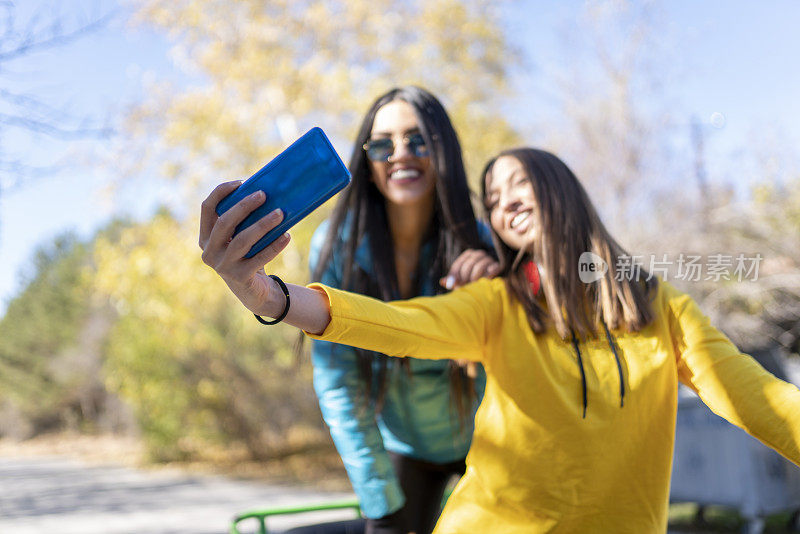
[536,464]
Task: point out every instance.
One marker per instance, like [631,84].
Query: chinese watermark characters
[683,267]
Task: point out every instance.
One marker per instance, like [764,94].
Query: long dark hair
[569,227]
[361,214]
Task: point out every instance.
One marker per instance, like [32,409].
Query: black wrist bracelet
[285,309]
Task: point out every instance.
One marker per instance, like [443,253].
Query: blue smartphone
[297,181]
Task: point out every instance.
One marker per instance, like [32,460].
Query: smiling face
[405,178]
[512,203]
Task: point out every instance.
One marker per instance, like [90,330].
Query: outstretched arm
[245,277]
[733,384]
[457,325]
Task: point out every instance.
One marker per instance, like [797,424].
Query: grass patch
[684,518]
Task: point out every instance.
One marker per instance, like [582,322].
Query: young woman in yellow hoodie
[577,426]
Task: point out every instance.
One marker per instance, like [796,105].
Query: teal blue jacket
[418,418]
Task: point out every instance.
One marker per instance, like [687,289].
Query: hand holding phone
[298,181]
[263,295]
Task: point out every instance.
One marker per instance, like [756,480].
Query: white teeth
[520,218]
[404,173]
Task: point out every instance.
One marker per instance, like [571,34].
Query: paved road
[54,494]
[41,495]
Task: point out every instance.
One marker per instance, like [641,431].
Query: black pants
[423,484]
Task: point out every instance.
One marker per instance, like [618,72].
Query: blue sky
[738,58]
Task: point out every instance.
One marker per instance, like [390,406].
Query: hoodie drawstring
[583,372]
[613,345]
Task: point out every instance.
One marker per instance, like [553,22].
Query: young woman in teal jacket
[402,427]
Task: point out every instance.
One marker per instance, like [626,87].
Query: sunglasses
[382,149]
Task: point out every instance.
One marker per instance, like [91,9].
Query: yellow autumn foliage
[196,367]
[273,69]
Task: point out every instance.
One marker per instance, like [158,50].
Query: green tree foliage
[49,346]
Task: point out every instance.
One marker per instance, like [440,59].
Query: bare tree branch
[27,112]
[15,173]
[53,130]
[35,40]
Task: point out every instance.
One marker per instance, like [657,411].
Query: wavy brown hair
[569,227]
